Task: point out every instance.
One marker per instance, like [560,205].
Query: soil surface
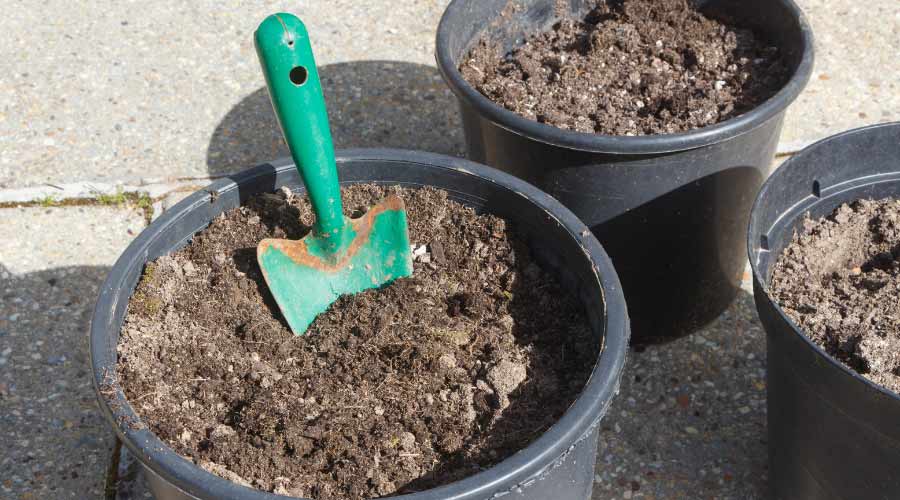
[391,391]
[839,280]
[631,67]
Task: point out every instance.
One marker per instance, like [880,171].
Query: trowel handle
[285,54]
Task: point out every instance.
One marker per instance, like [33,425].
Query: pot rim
[518,470]
[612,144]
[771,185]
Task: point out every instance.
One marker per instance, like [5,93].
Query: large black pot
[832,433]
[670,209]
[558,465]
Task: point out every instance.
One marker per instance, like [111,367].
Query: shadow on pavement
[370,104]
[690,417]
[55,442]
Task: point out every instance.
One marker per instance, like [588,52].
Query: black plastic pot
[558,465]
[670,209]
[832,433]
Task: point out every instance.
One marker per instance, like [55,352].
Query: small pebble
[437,252]
[286,192]
[56,360]
[221,432]
[407,441]
[447,361]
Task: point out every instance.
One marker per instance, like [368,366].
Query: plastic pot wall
[558,465]
[671,210]
[832,433]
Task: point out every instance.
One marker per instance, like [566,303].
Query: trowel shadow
[284,222]
[370,104]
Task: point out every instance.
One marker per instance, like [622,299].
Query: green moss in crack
[47,201]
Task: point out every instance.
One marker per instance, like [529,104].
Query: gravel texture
[43,238]
[690,419]
[152,87]
[164,89]
[854,80]
[370,103]
[54,442]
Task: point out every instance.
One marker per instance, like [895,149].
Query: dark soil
[839,280]
[391,391]
[631,67]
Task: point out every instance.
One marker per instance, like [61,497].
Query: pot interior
[559,242]
[552,244]
[862,163]
[509,22]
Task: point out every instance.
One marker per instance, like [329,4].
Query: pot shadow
[680,255]
[691,414]
[46,392]
[370,104]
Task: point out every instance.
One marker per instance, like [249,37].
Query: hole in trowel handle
[299,75]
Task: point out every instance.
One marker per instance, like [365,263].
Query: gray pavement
[120,91]
[159,96]
[690,419]
[108,90]
[854,82]
[54,441]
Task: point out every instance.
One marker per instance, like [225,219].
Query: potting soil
[839,280]
[631,67]
[391,391]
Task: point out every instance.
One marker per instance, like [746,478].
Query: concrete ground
[115,110]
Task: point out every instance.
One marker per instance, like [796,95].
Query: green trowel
[341,255]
